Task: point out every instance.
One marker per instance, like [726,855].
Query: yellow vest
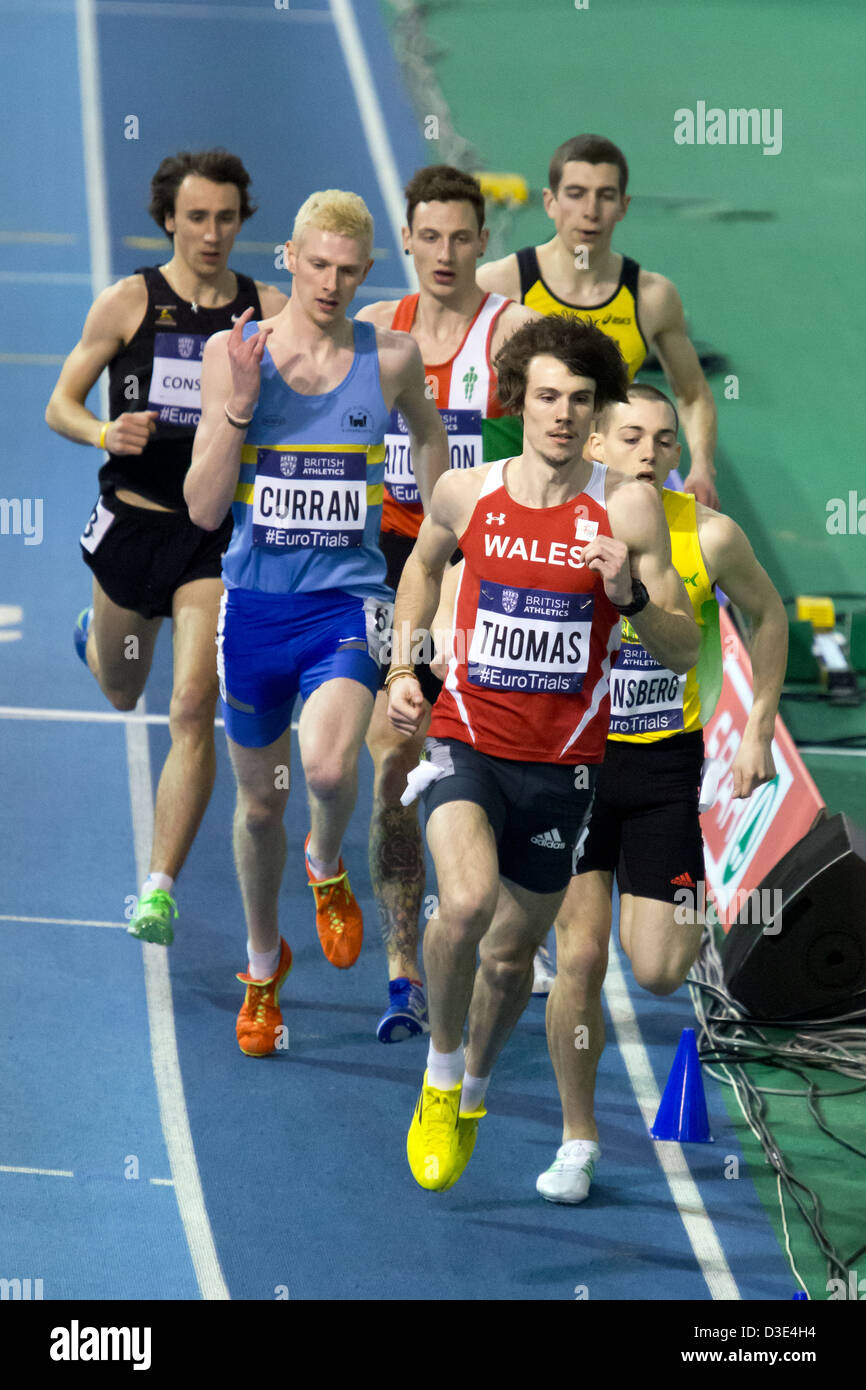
[648,702]
[617,317]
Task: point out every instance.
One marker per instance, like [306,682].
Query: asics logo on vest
[549,839]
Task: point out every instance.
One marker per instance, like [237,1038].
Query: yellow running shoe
[431,1145]
[467,1133]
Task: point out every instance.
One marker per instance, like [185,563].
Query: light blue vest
[308,503]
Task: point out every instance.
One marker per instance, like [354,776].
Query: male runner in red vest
[555,549]
[458,329]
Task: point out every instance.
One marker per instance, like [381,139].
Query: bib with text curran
[533,630]
[310,497]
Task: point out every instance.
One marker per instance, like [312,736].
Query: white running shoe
[543,972]
[569,1176]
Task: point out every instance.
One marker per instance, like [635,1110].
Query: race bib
[378,615]
[175,383]
[530,639]
[463,428]
[310,497]
[645,698]
[99,522]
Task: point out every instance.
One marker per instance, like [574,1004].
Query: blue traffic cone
[682,1115]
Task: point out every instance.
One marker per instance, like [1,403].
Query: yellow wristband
[102,433]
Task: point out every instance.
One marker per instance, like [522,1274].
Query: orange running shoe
[338,916]
[260,1019]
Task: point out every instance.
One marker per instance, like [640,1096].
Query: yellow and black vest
[617,317]
[648,702]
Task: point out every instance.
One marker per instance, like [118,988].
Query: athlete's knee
[259,812]
[121,697]
[660,977]
[467,909]
[581,957]
[329,774]
[191,712]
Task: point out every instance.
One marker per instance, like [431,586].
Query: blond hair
[334,210]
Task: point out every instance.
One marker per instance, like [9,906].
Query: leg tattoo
[397,875]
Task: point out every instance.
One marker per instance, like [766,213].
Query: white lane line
[43,1172]
[163,1042]
[373,122]
[62,921]
[45,277]
[683,1188]
[160,1013]
[166,9]
[94,162]
[37,238]
[818,751]
[252,248]
[32,359]
[85,716]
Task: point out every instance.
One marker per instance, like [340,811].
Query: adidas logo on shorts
[549,839]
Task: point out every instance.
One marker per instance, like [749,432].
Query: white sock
[444,1069]
[154,882]
[473,1093]
[324,868]
[263,964]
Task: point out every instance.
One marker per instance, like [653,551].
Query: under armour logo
[500,519]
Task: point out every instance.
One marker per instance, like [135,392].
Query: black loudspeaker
[798,947]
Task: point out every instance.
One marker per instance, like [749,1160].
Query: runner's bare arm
[110,324]
[271,299]
[666,627]
[230,378]
[428,441]
[418,593]
[662,313]
[514,316]
[501,277]
[381,313]
[732,563]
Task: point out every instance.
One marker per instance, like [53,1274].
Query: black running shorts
[537,811]
[645,824]
[397,550]
[141,557]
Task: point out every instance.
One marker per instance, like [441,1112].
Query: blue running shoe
[406,1015]
[82,626]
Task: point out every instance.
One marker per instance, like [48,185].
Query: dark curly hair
[217,165]
[582,347]
[443,183]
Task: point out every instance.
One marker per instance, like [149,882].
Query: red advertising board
[743,839]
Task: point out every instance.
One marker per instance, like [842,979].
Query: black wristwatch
[639,600]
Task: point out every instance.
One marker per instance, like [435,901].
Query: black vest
[160,369]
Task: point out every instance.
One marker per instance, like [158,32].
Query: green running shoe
[152,920]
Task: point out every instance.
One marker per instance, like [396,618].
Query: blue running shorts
[270,647]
